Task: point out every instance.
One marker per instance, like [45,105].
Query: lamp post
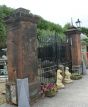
[78,23]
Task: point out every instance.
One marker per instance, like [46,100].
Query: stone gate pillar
[22,49]
[73,38]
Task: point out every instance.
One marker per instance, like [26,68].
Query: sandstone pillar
[73,38]
[22,48]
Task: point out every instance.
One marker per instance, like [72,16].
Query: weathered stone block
[22,49]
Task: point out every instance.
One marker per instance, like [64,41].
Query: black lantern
[78,23]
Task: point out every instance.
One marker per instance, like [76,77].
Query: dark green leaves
[4,11]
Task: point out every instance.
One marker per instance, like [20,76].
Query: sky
[57,11]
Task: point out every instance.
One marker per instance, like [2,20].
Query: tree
[4,11]
[47,28]
[66,26]
[47,25]
[84,30]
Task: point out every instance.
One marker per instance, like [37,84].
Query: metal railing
[47,74]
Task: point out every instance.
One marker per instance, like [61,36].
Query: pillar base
[11,95]
[34,89]
[77,69]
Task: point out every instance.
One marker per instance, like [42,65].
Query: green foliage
[66,26]
[47,34]
[4,11]
[85,41]
[47,28]
[47,25]
[44,28]
[84,30]
[76,76]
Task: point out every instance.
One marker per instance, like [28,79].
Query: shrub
[76,76]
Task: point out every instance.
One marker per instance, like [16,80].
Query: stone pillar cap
[21,14]
[72,30]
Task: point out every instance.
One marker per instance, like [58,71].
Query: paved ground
[74,95]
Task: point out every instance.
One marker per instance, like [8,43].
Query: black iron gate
[52,52]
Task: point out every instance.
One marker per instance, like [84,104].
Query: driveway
[73,95]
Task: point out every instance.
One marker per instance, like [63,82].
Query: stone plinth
[22,49]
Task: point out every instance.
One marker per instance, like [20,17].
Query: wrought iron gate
[52,52]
